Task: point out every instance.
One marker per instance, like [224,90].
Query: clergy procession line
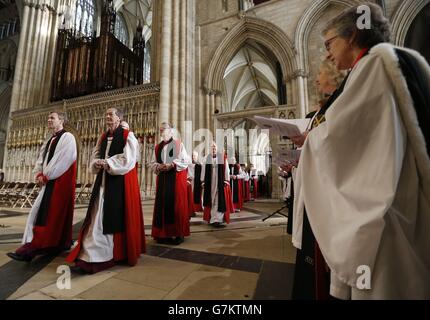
[358,197]
[113,228]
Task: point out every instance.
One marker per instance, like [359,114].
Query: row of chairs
[18,194]
[23,194]
[83,192]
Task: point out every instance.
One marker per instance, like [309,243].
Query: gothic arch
[403,18]
[307,21]
[263,32]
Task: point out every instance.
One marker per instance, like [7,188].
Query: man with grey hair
[170,224]
[49,224]
[113,229]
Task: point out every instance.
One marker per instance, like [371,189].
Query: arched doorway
[252,148]
[253,72]
[252,81]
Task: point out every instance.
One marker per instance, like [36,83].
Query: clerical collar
[58,133]
[168,141]
[111,133]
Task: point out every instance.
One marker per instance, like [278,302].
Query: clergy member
[236,184]
[254,182]
[49,224]
[364,174]
[246,186]
[215,179]
[194,178]
[170,224]
[113,229]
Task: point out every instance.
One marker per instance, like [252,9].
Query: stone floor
[250,259]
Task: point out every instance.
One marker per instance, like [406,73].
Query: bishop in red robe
[217,201]
[49,224]
[113,229]
[171,219]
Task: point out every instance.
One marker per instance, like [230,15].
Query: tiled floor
[250,259]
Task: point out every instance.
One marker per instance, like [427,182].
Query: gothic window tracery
[84,17]
[121,31]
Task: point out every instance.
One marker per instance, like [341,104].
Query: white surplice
[64,156]
[239,177]
[364,178]
[98,247]
[216,216]
[181,161]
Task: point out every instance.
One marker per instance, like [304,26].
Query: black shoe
[164,240]
[218,225]
[78,270]
[19,257]
[177,241]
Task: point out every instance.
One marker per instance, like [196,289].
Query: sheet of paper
[283,127]
[302,124]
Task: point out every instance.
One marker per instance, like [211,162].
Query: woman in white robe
[372,222]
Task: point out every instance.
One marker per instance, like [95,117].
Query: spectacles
[328,42]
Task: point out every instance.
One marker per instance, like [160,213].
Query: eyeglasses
[328,42]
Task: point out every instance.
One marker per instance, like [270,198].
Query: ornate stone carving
[86,121]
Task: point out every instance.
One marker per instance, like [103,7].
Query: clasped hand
[164,167]
[102,164]
[40,182]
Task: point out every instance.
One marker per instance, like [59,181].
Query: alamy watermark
[365,20]
[364,281]
[64,281]
[243,146]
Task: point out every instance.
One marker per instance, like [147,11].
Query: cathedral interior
[198,64]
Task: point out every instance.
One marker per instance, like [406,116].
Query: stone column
[175,57]
[206,111]
[49,57]
[302,86]
[165,58]
[19,66]
[32,70]
[211,109]
[174,78]
[182,68]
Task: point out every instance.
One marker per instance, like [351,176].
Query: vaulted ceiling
[250,79]
[135,10]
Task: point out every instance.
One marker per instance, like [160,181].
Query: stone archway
[262,32]
[403,18]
